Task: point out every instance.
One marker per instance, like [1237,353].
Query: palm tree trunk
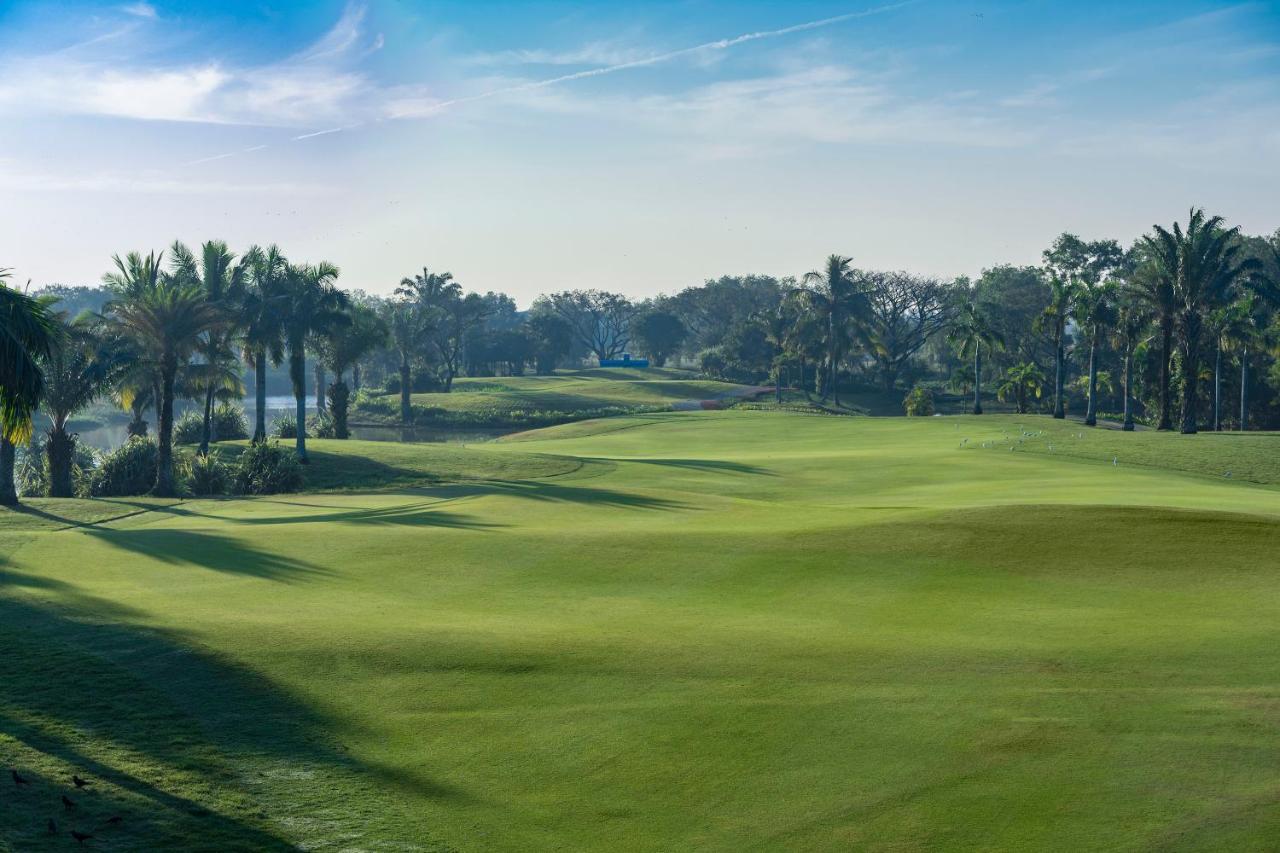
[60,450]
[355,378]
[1166,356]
[977,379]
[166,486]
[260,396]
[1244,390]
[1059,407]
[8,489]
[298,371]
[1128,387]
[1190,371]
[1091,416]
[207,435]
[1217,388]
[406,406]
[320,378]
[339,397]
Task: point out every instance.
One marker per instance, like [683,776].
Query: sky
[640,147]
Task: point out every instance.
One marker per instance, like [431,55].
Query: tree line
[1131,332]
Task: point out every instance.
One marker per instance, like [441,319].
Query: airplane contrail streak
[720,44]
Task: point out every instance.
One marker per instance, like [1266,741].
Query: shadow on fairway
[710,465]
[543,490]
[214,551]
[194,752]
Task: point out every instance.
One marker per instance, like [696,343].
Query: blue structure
[625,361]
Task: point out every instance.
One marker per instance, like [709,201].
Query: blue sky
[633,146]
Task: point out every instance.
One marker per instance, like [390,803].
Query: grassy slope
[560,397]
[729,630]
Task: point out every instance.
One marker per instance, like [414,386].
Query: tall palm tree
[222,280]
[79,370]
[1203,265]
[313,306]
[1094,311]
[166,317]
[343,346]
[28,334]
[1239,329]
[833,292]
[1053,321]
[970,332]
[1156,292]
[1133,318]
[262,311]
[408,325]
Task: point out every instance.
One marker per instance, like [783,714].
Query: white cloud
[140,10]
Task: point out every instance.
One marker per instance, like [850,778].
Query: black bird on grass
[19,779]
[115,820]
[80,837]
[67,803]
[78,782]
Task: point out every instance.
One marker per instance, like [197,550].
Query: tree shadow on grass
[215,551]
[193,751]
[543,490]
[710,465]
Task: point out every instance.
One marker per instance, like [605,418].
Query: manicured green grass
[540,400]
[718,630]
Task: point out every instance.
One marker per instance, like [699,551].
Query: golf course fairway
[681,631]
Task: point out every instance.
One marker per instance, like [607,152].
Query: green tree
[836,296]
[78,371]
[165,317]
[344,345]
[970,332]
[552,339]
[1021,382]
[1094,312]
[407,326]
[28,335]
[262,312]
[1204,266]
[313,305]
[222,281]
[1133,318]
[1053,321]
[659,333]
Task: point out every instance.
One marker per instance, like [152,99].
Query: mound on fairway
[569,395]
[713,630]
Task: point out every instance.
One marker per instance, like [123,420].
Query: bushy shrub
[31,467]
[189,429]
[919,403]
[227,423]
[266,469]
[208,476]
[284,426]
[130,469]
[321,426]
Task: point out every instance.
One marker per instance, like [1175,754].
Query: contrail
[721,44]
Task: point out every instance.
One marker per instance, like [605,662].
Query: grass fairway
[716,630]
[568,395]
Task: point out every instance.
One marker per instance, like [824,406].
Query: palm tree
[1094,310]
[28,335]
[78,371]
[835,296]
[262,322]
[1156,292]
[222,281]
[1203,265]
[408,325]
[1020,382]
[166,317]
[313,306]
[969,333]
[1239,328]
[1053,319]
[1133,317]
[343,346]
